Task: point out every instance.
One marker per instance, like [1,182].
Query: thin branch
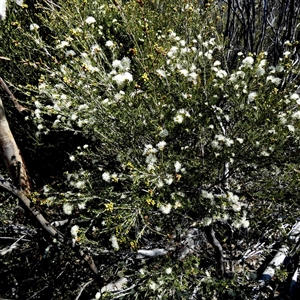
[218,248]
[6,185]
[18,106]
[82,289]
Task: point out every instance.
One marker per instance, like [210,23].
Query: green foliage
[164,134]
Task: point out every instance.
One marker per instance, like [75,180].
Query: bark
[209,230]
[276,262]
[11,155]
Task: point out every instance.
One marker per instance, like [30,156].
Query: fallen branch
[18,106]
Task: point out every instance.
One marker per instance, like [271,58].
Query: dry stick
[82,289]
[5,184]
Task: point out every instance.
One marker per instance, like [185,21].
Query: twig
[11,238]
[82,289]
[18,106]
[13,246]
[33,296]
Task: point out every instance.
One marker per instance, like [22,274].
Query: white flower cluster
[242,222]
[180,115]
[151,157]
[74,232]
[219,72]
[114,242]
[76,179]
[165,209]
[221,140]
[120,71]
[234,202]
[106,176]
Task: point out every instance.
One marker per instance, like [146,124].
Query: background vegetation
[153,125]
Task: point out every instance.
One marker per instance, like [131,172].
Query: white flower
[81,205]
[177,166]
[74,231]
[220,137]
[80,184]
[214,144]
[95,49]
[228,142]
[97,296]
[244,222]
[236,206]
[207,195]
[114,242]
[252,96]
[260,71]
[221,74]
[83,106]
[248,61]
[109,44]
[116,63]
[184,112]
[161,73]
[296,115]
[149,149]
[72,157]
[274,80]
[160,183]
[207,221]
[40,127]
[165,209]
[62,45]
[208,54]
[34,26]
[172,52]
[70,53]
[74,117]
[177,204]
[121,78]
[279,68]
[151,159]
[125,63]
[153,286]
[68,208]
[178,119]
[163,133]
[291,128]
[265,153]
[240,140]
[168,179]
[90,20]
[161,145]
[294,97]
[46,189]
[168,271]
[106,176]
[184,72]
[193,77]
[217,63]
